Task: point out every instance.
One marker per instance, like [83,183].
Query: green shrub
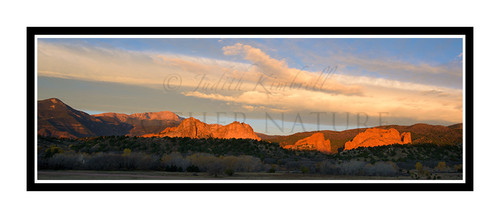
[304,169]
[126,152]
[419,167]
[49,152]
[441,166]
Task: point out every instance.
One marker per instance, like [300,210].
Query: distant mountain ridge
[143,123]
[57,119]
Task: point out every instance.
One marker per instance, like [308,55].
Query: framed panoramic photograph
[250,108]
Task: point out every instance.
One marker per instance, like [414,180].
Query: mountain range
[56,119]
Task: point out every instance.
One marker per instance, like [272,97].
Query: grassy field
[158,175]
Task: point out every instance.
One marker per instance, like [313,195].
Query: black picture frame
[31,113]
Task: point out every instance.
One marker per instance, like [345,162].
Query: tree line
[227,156]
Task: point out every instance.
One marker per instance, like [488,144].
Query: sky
[278,85]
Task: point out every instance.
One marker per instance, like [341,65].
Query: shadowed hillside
[56,119]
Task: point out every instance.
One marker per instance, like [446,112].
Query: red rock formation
[194,128]
[316,141]
[377,137]
[406,137]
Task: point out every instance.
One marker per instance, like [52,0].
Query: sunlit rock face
[377,137]
[406,137]
[193,128]
[316,142]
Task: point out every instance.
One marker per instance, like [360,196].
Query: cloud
[397,66]
[435,93]
[444,74]
[403,104]
[268,65]
[262,82]
[97,64]
[93,63]
[279,71]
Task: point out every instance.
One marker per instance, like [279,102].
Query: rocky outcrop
[193,128]
[316,142]
[377,137]
[406,137]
